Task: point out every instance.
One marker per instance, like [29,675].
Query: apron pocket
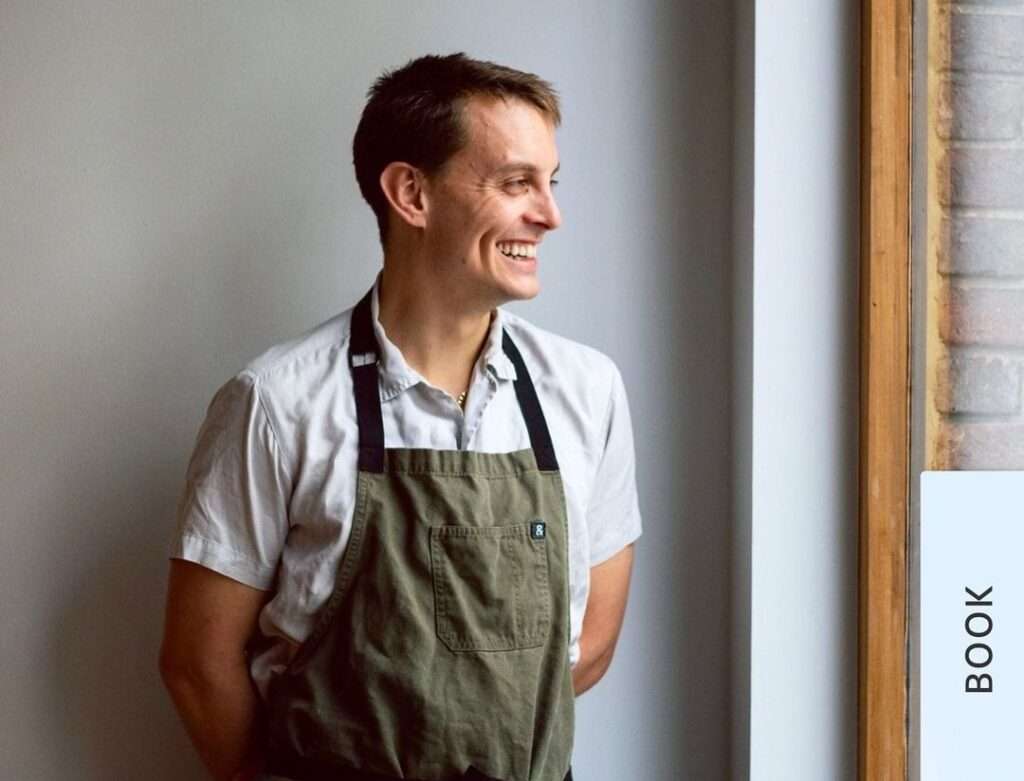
[491,590]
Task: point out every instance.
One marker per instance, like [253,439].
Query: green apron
[443,650]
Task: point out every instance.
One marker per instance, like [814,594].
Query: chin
[522,290]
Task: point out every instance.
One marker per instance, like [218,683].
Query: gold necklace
[461,400]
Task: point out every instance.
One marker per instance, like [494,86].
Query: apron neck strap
[363,353]
[529,405]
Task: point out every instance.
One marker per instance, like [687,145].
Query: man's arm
[606,606]
[209,620]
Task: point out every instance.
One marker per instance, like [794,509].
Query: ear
[403,187]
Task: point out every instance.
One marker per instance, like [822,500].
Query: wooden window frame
[884,486]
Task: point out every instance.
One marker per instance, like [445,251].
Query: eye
[554,183]
[517,185]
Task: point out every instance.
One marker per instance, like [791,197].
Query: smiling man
[405,540]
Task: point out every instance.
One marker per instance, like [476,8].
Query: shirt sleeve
[613,512]
[233,512]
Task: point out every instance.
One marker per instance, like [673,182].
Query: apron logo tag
[538,530]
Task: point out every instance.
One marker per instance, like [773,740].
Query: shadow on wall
[693,151]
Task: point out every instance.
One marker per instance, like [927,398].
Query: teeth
[516,250]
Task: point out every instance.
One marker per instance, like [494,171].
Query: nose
[545,210]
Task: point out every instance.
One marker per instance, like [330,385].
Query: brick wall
[979,119]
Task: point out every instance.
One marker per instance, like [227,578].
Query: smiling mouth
[517,250]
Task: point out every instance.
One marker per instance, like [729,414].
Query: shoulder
[548,353]
[294,379]
[309,353]
[579,379]
[292,384]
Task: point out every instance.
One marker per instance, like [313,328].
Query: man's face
[492,203]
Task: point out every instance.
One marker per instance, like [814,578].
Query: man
[405,539]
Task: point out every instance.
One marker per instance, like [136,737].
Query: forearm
[220,710]
[606,605]
[589,669]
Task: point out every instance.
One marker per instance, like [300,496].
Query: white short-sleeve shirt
[270,488]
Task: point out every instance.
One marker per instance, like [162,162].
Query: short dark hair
[414,115]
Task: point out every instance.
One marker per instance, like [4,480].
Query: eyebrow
[527,167]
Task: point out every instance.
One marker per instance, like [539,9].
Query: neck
[438,335]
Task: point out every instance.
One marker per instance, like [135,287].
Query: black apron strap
[540,437]
[362,360]
[363,352]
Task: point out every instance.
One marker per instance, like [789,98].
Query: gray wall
[177,195]
[796,390]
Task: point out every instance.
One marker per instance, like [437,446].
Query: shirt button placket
[477,410]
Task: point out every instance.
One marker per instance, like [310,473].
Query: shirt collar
[396,375]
